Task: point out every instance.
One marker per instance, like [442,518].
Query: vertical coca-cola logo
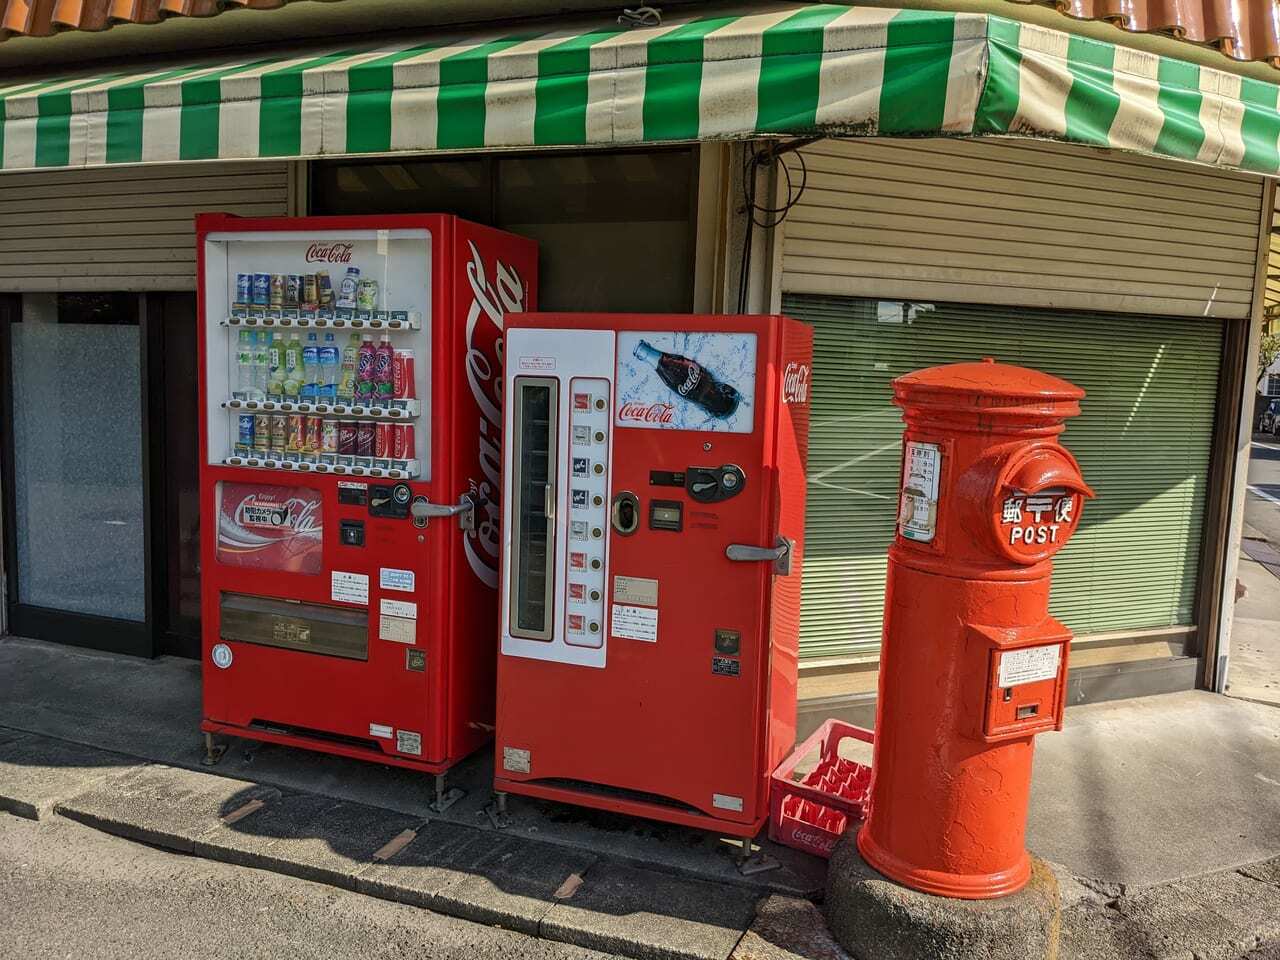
[646,412]
[329,253]
[691,379]
[795,383]
[490,302]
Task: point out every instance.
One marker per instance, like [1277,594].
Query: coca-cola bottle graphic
[691,380]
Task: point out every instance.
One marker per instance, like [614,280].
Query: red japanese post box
[973,666]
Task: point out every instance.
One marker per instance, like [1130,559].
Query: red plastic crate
[813,813]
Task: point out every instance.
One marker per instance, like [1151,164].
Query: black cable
[763,216]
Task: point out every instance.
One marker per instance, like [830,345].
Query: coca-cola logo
[646,412]
[490,302]
[691,380]
[795,383]
[814,841]
[329,253]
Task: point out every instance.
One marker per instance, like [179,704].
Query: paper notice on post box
[918,508]
[1029,664]
[635,623]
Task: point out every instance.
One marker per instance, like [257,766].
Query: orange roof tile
[40,18]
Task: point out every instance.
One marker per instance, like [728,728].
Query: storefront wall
[1122,274]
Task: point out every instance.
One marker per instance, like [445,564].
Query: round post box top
[990,390]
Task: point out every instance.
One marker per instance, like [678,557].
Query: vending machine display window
[536,418]
[318,351]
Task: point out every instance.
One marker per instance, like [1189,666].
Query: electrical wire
[761,215]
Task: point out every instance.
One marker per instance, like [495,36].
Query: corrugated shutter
[1022,222]
[1143,441]
[122,229]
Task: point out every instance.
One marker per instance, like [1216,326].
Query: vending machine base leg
[497,812]
[750,859]
[212,751]
[445,798]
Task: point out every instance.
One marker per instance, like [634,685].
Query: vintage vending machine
[653,511]
[351,378]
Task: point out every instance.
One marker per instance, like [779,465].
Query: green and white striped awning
[833,69]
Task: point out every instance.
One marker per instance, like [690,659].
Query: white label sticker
[380,731]
[515,759]
[349,587]
[397,629]
[222,656]
[635,590]
[725,802]
[918,508]
[390,578]
[383,237]
[352,485]
[1029,664]
[635,623]
[407,741]
[537,363]
[398,608]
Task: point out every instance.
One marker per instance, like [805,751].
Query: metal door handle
[780,555]
[464,510]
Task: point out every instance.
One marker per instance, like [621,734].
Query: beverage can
[403,376]
[277,290]
[383,440]
[311,443]
[279,433]
[245,436]
[292,289]
[324,289]
[364,438]
[244,289]
[296,436]
[404,442]
[261,289]
[310,291]
[262,432]
[347,430]
[367,294]
[329,436]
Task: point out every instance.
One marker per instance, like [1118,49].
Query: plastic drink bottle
[347,379]
[293,368]
[365,388]
[275,367]
[310,367]
[261,364]
[329,362]
[383,371]
[244,365]
[349,287]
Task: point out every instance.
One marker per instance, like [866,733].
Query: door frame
[137,638]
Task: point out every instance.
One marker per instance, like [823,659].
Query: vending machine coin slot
[390,502]
[714,484]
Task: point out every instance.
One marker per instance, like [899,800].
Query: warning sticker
[1029,664]
[635,623]
[635,590]
[407,741]
[397,629]
[349,587]
[918,508]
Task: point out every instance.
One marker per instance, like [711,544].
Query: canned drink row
[302,290]
[306,438]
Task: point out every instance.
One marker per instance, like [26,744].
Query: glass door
[536,417]
[75,477]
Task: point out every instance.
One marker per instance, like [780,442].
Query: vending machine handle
[780,555]
[465,510]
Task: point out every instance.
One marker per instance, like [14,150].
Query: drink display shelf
[393,470]
[356,411]
[412,320]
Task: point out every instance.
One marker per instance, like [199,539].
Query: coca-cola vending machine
[653,511]
[351,378]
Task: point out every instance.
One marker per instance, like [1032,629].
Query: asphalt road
[1262,503]
[69,891]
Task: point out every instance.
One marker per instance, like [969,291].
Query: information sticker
[1029,664]
[918,508]
[397,629]
[390,578]
[349,587]
[635,623]
[398,608]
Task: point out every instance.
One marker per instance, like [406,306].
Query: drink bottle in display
[244,289]
[403,442]
[293,368]
[347,376]
[690,380]
[310,292]
[365,388]
[367,294]
[261,365]
[261,289]
[383,440]
[349,288]
[279,433]
[383,374]
[292,289]
[329,363]
[314,431]
[244,436]
[310,367]
[347,430]
[328,440]
[275,366]
[402,376]
[364,438]
[277,290]
[296,433]
[324,289]
[262,432]
[244,365]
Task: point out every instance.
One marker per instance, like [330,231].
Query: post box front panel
[1025,690]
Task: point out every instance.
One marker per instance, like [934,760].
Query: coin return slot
[1027,711]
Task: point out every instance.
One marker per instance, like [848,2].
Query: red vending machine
[351,384]
[653,511]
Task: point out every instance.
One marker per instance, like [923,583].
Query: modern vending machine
[351,385]
[653,510]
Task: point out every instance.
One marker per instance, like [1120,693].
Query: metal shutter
[1143,441]
[1022,222]
[125,229]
